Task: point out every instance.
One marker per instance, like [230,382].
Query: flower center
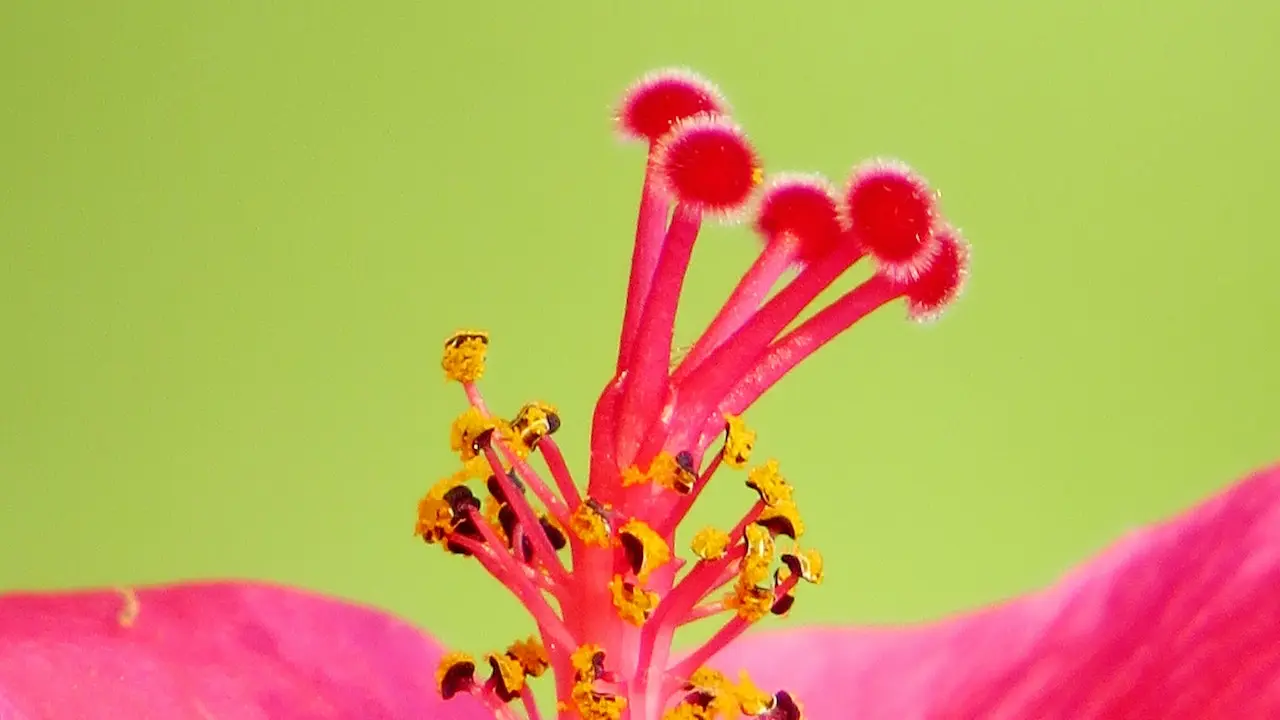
[599,571]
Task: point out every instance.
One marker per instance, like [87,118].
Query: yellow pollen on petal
[590,525]
[771,485]
[710,543]
[759,556]
[535,421]
[751,602]
[463,359]
[634,604]
[783,519]
[455,671]
[466,431]
[650,549]
[738,442]
[531,655]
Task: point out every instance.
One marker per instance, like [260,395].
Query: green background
[235,234]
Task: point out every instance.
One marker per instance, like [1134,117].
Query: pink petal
[1181,620]
[219,650]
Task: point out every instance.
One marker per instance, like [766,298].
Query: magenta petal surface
[1178,621]
[218,650]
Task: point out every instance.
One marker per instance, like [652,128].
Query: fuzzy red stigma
[802,209]
[892,211]
[661,99]
[942,282]
[707,163]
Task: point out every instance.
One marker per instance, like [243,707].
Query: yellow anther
[435,516]
[466,431]
[667,471]
[751,602]
[714,693]
[783,519]
[645,548]
[508,675]
[464,356]
[710,543]
[807,564]
[531,655]
[463,359]
[455,674]
[752,701]
[634,604]
[757,176]
[587,662]
[707,681]
[592,705]
[759,556]
[767,481]
[738,442]
[534,422]
[590,525]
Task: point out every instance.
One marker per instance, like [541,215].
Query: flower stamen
[626,592]
[464,352]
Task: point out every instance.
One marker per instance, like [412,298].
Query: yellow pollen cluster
[771,485]
[590,525]
[463,359]
[751,602]
[585,660]
[759,556]
[531,655]
[534,422]
[510,670]
[665,471]
[456,673]
[590,704]
[738,442]
[710,543]
[807,564]
[783,519]
[751,699]
[634,604]
[435,516]
[645,546]
[465,433]
[711,695]
[509,674]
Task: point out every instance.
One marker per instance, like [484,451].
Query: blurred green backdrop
[235,233]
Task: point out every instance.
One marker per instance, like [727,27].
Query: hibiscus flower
[1181,620]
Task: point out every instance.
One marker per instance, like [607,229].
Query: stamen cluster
[598,572]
